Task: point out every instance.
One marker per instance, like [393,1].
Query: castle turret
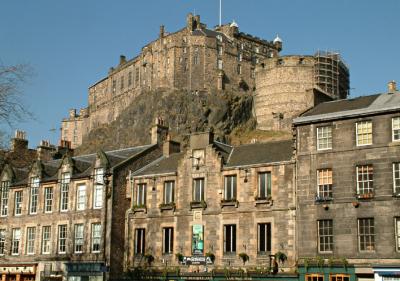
[278,43]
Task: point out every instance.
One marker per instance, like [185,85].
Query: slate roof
[260,153]
[223,149]
[83,165]
[162,165]
[359,106]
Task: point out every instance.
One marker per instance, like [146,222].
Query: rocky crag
[229,115]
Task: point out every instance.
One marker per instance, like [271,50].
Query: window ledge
[198,205]
[264,201]
[396,195]
[230,202]
[138,209]
[167,206]
[365,196]
[320,200]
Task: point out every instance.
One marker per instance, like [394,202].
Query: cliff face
[184,113]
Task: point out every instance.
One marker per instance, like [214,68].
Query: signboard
[197,240]
[196,260]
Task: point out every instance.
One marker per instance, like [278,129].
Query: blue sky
[71,44]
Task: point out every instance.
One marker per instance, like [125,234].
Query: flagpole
[220,12]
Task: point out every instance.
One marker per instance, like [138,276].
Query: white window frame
[30,240]
[64,191]
[18,197]
[48,199]
[62,238]
[46,239]
[266,228]
[200,185]
[396,178]
[363,133]
[96,238]
[81,197]
[15,242]
[366,185]
[220,64]
[98,188]
[78,238]
[230,189]
[2,242]
[141,189]
[232,247]
[267,187]
[168,240]
[370,234]
[4,193]
[169,189]
[324,133]
[396,126]
[325,183]
[140,241]
[397,232]
[34,195]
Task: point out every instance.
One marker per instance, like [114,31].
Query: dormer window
[34,193]
[65,180]
[98,188]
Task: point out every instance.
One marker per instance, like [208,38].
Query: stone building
[58,217]
[194,58]
[287,86]
[348,184]
[213,198]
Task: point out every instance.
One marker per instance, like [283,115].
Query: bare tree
[12,109]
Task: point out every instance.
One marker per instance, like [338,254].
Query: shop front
[18,272]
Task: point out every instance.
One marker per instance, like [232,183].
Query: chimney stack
[45,150]
[122,59]
[159,131]
[392,86]
[162,31]
[170,147]
[19,142]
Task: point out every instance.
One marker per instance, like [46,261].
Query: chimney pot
[392,86]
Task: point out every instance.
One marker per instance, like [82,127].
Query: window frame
[34,195]
[369,181]
[16,241]
[201,193]
[48,199]
[64,191]
[81,197]
[370,235]
[30,240]
[397,232]
[98,188]
[140,241]
[168,240]
[393,129]
[4,194]
[363,133]
[140,192]
[324,226]
[267,247]
[95,245]
[2,241]
[325,183]
[230,190]
[396,187]
[312,276]
[169,192]
[230,245]
[326,136]
[333,277]
[267,188]
[62,239]
[79,238]
[18,198]
[46,240]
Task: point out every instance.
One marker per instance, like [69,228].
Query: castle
[199,59]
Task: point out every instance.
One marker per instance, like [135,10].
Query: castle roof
[348,108]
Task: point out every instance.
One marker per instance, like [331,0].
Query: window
[30,240]
[96,237]
[140,241]
[264,185]
[34,195]
[16,237]
[98,188]
[397,233]
[240,57]
[364,133]
[324,138]
[65,179]
[396,178]
[324,179]
[122,82]
[230,238]
[219,38]
[339,277]
[198,158]
[220,50]
[114,86]
[78,238]
[196,59]
[5,185]
[62,239]
[253,73]
[198,190]
[325,236]
[239,69]
[366,234]
[81,197]
[2,241]
[219,64]
[18,203]
[130,78]
[396,128]
[48,199]
[46,237]
[184,50]
[264,238]
[168,240]
[141,194]
[314,277]
[169,192]
[230,188]
[365,180]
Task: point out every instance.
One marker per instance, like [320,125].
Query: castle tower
[289,85]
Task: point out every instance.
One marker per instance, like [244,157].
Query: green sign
[197,240]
